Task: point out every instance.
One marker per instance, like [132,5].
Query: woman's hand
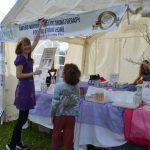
[42,22]
[37,72]
[139,82]
[37,37]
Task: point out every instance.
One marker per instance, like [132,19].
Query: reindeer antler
[145,33]
[146,37]
[132,61]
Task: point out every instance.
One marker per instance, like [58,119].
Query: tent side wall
[107,54]
[75,55]
[10,81]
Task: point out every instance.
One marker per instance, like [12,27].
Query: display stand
[51,79]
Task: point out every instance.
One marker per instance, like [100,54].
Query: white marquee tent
[102,53]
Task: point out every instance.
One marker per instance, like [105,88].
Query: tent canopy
[27,11]
[102,53]
[31,10]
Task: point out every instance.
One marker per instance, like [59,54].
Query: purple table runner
[43,104]
[101,114]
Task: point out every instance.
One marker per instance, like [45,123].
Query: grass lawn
[130,146]
[41,141]
[32,137]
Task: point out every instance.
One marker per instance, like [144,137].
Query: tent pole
[128,16]
[84,57]
[2,82]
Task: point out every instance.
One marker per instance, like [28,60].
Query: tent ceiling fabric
[31,10]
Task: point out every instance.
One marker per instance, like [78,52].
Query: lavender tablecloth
[101,114]
[104,115]
[126,88]
[95,120]
[43,105]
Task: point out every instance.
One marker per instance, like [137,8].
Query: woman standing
[144,73]
[25,90]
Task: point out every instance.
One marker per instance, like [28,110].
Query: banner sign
[69,25]
[8,33]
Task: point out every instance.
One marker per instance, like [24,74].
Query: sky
[5,6]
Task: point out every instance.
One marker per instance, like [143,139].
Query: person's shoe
[21,146]
[8,147]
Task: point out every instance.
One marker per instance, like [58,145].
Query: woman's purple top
[25,90]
